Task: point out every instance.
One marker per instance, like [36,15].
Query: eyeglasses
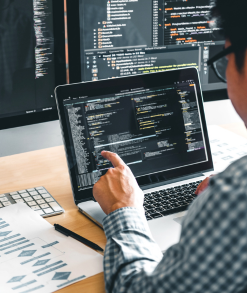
[220,61]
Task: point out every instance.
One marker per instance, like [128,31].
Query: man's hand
[118,187]
[203,185]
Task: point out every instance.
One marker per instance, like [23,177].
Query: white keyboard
[38,199]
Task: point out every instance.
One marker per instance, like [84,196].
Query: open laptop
[156,124]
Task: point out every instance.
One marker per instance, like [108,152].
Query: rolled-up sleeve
[130,249]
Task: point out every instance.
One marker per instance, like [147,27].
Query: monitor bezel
[103,86]
[60,74]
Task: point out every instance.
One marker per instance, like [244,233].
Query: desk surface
[48,168]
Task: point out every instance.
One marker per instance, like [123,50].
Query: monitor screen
[27,60]
[118,38]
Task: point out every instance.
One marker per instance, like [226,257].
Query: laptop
[156,123]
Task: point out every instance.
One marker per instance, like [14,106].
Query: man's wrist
[115,207]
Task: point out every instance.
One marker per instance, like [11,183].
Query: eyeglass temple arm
[221,55]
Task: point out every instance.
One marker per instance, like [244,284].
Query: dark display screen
[118,38]
[151,129]
[27,69]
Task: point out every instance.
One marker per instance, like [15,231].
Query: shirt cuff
[125,219]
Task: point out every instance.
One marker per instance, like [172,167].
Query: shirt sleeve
[211,255]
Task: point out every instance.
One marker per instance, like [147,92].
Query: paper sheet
[36,258]
[226,147]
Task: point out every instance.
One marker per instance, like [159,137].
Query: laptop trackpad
[179,220]
[93,211]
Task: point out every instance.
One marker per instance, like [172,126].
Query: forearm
[130,252]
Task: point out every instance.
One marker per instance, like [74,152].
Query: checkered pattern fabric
[211,255]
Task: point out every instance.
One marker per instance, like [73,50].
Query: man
[211,255]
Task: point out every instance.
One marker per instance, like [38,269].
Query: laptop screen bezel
[105,87]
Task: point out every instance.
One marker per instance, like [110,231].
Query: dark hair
[232,18]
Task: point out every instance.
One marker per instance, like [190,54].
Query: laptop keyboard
[169,201]
[38,199]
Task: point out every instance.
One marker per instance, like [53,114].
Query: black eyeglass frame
[225,52]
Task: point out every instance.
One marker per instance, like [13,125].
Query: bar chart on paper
[36,258]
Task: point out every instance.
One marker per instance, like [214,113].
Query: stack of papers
[36,258]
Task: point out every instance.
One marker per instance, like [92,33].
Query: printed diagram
[226,147]
[30,265]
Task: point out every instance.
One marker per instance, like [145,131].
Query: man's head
[232,18]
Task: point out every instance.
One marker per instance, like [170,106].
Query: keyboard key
[44,206]
[22,191]
[27,199]
[35,208]
[33,193]
[13,193]
[152,211]
[46,195]
[2,195]
[6,203]
[42,191]
[24,195]
[188,198]
[16,196]
[172,201]
[157,205]
[48,211]
[39,188]
[19,200]
[156,215]
[1,205]
[159,210]
[172,192]
[32,203]
[30,189]
[148,207]
[40,201]
[183,203]
[40,212]
[36,197]
[3,199]
[148,218]
[49,199]
[55,206]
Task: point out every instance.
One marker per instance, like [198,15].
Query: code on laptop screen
[151,129]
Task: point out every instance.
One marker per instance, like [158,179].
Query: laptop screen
[154,127]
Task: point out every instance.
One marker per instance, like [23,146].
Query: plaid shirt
[211,255]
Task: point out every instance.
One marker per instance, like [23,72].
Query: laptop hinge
[182,178]
[84,200]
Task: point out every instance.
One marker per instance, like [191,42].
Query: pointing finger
[113,158]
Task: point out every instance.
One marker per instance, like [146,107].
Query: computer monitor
[116,38]
[32,60]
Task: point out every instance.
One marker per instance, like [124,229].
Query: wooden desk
[48,168]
